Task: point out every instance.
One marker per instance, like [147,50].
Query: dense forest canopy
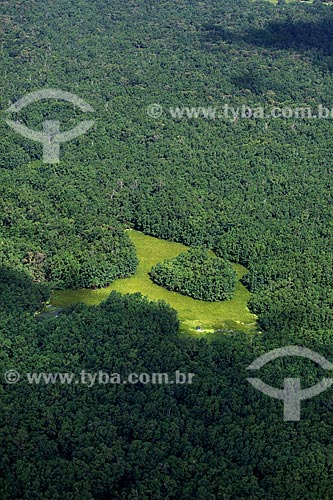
[197,274]
[256,191]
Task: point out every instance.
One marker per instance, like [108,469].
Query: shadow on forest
[315,38]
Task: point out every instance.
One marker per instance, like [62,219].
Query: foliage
[215,437]
[197,274]
[256,191]
[69,253]
[224,315]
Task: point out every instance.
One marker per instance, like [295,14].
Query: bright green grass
[231,314]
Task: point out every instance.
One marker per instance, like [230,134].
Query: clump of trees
[197,274]
[72,254]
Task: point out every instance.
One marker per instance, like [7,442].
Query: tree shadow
[313,38]
[19,294]
[301,36]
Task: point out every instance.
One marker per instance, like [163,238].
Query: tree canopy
[255,191]
[197,274]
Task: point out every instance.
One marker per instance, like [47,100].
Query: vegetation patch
[229,315]
[197,274]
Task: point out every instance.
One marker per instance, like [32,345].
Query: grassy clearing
[231,315]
